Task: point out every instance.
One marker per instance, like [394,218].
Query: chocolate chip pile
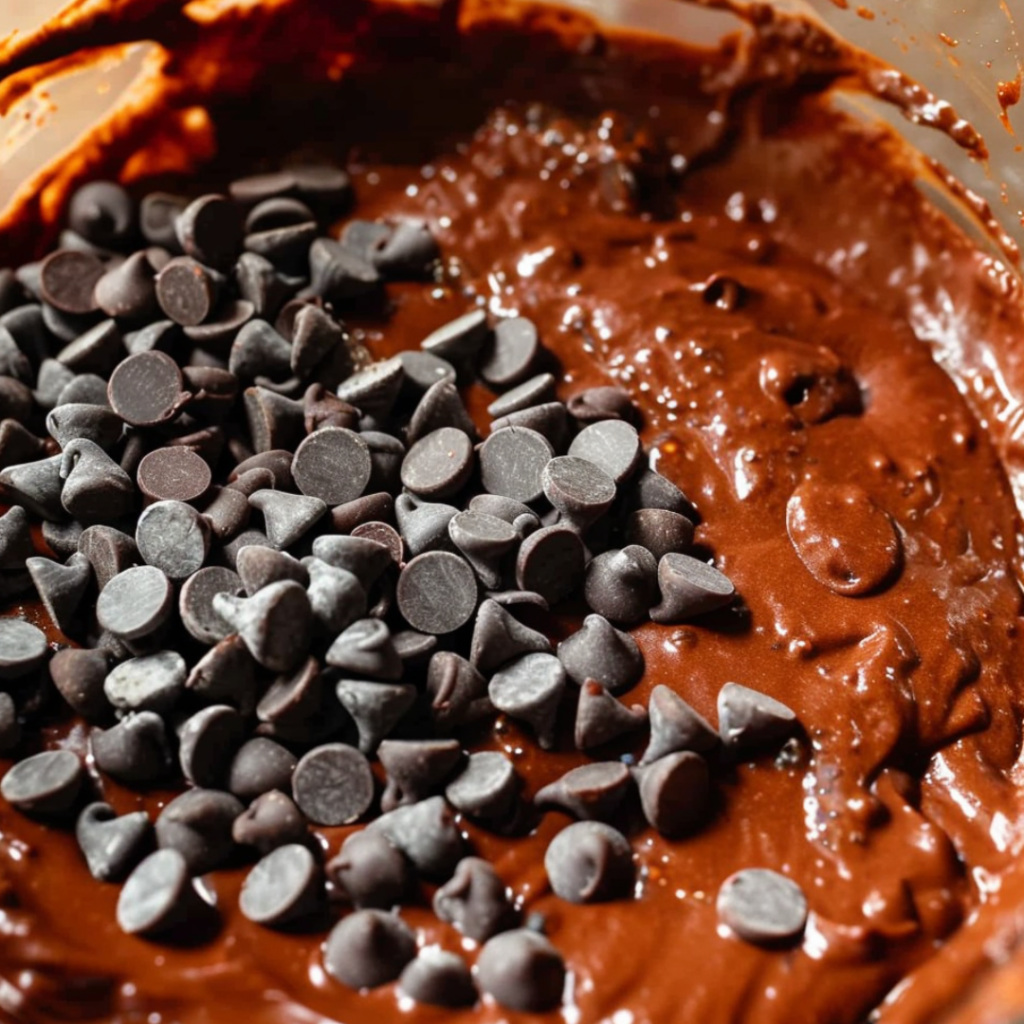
[280,561]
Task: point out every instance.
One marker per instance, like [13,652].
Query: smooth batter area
[752,279]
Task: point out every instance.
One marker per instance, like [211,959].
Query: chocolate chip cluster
[279,564]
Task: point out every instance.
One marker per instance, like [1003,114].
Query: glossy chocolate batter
[617,190]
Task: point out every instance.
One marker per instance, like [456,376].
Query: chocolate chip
[259,351]
[36,486]
[424,524]
[294,697]
[270,821]
[284,886]
[134,751]
[260,285]
[158,212]
[374,707]
[195,602]
[226,674]
[173,537]
[412,646]
[23,648]
[103,213]
[592,792]
[622,585]
[187,291]
[458,339]
[96,489]
[600,718]
[369,872]
[258,567]
[315,335]
[324,187]
[10,726]
[146,389]
[676,726]
[487,788]
[762,906]
[198,825]
[375,388]
[52,379]
[62,538]
[580,490]
[15,399]
[78,675]
[530,689]
[275,623]
[111,845]
[675,792]
[457,690]
[207,743]
[110,552]
[17,445]
[336,597]
[660,531]
[483,540]
[748,719]
[548,419]
[590,862]
[475,900]
[333,464]
[551,563]
[255,188]
[128,291]
[68,279]
[260,766]
[416,768]
[60,587]
[437,592]
[162,335]
[427,834]
[384,534]
[408,251]
[44,784]
[378,507]
[422,370]
[287,517]
[438,978]
[136,602]
[94,349]
[173,474]
[513,461]
[613,445]
[337,274]
[594,405]
[439,465]
[333,784]
[365,649]
[689,587]
[366,559]
[158,895]
[498,638]
[277,212]
[85,389]
[368,948]
[649,489]
[534,391]
[210,230]
[522,971]
[520,516]
[153,682]
[511,352]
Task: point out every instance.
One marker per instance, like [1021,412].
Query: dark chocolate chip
[458,339]
[590,862]
[270,821]
[423,370]
[219,330]
[78,674]
[612,445]
[210,229]
[408,251]
[368,948]
[551,563]
[60,587]
[530,689]
[275,421]
[603,653]
[521,516]
[286,885]
[511,352]
[365,648]
[336,597]
[675,792]
[287,517]
[208,741]
[333,785]
[427,834]
[134,751]
[260,285]
[600,718]
[36,486]
[437,592]
[23,648]
[522,971]
[111,845]
[458,692]
[622,585]
[762,906]
[676,726]
[487,788]
[337,274]
[15,399]
[52,379]
[259,351]
[187,291]
[689,587]
[260,766]
[277,212]
[258,567]
[498,638]
[103,213]
[146,389]
[333,464]
[423,524]
[416,768]
[748,718]
[158,895]
[226,674]
[384,534]
[152,682]
[412,646]
[315,335]
[366,559]
[513,461]
[96,488]
[72,420]
[534,391]
[649,489]
[438,978]
[255,188]
[375,388]
[325,187]
[68,279]
[294,697]
[163,335]
[374,707]
[158,212]
[173,537]
[660,531]
[18,445]
[128,291]
[176,474]
[548,419]
[44,784]
[440,406]
[62,538]
[369,872]
[198,825]
[94,349]
[475,900]
[578,489]
[135,602]
[275,623]
[595,405]
[483,540]
[285,247]
[592,792]
[110,552]
[84,389]
[439,465]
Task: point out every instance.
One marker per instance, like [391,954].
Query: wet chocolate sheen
[772,291]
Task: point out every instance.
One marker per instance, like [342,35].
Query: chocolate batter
[829,370]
